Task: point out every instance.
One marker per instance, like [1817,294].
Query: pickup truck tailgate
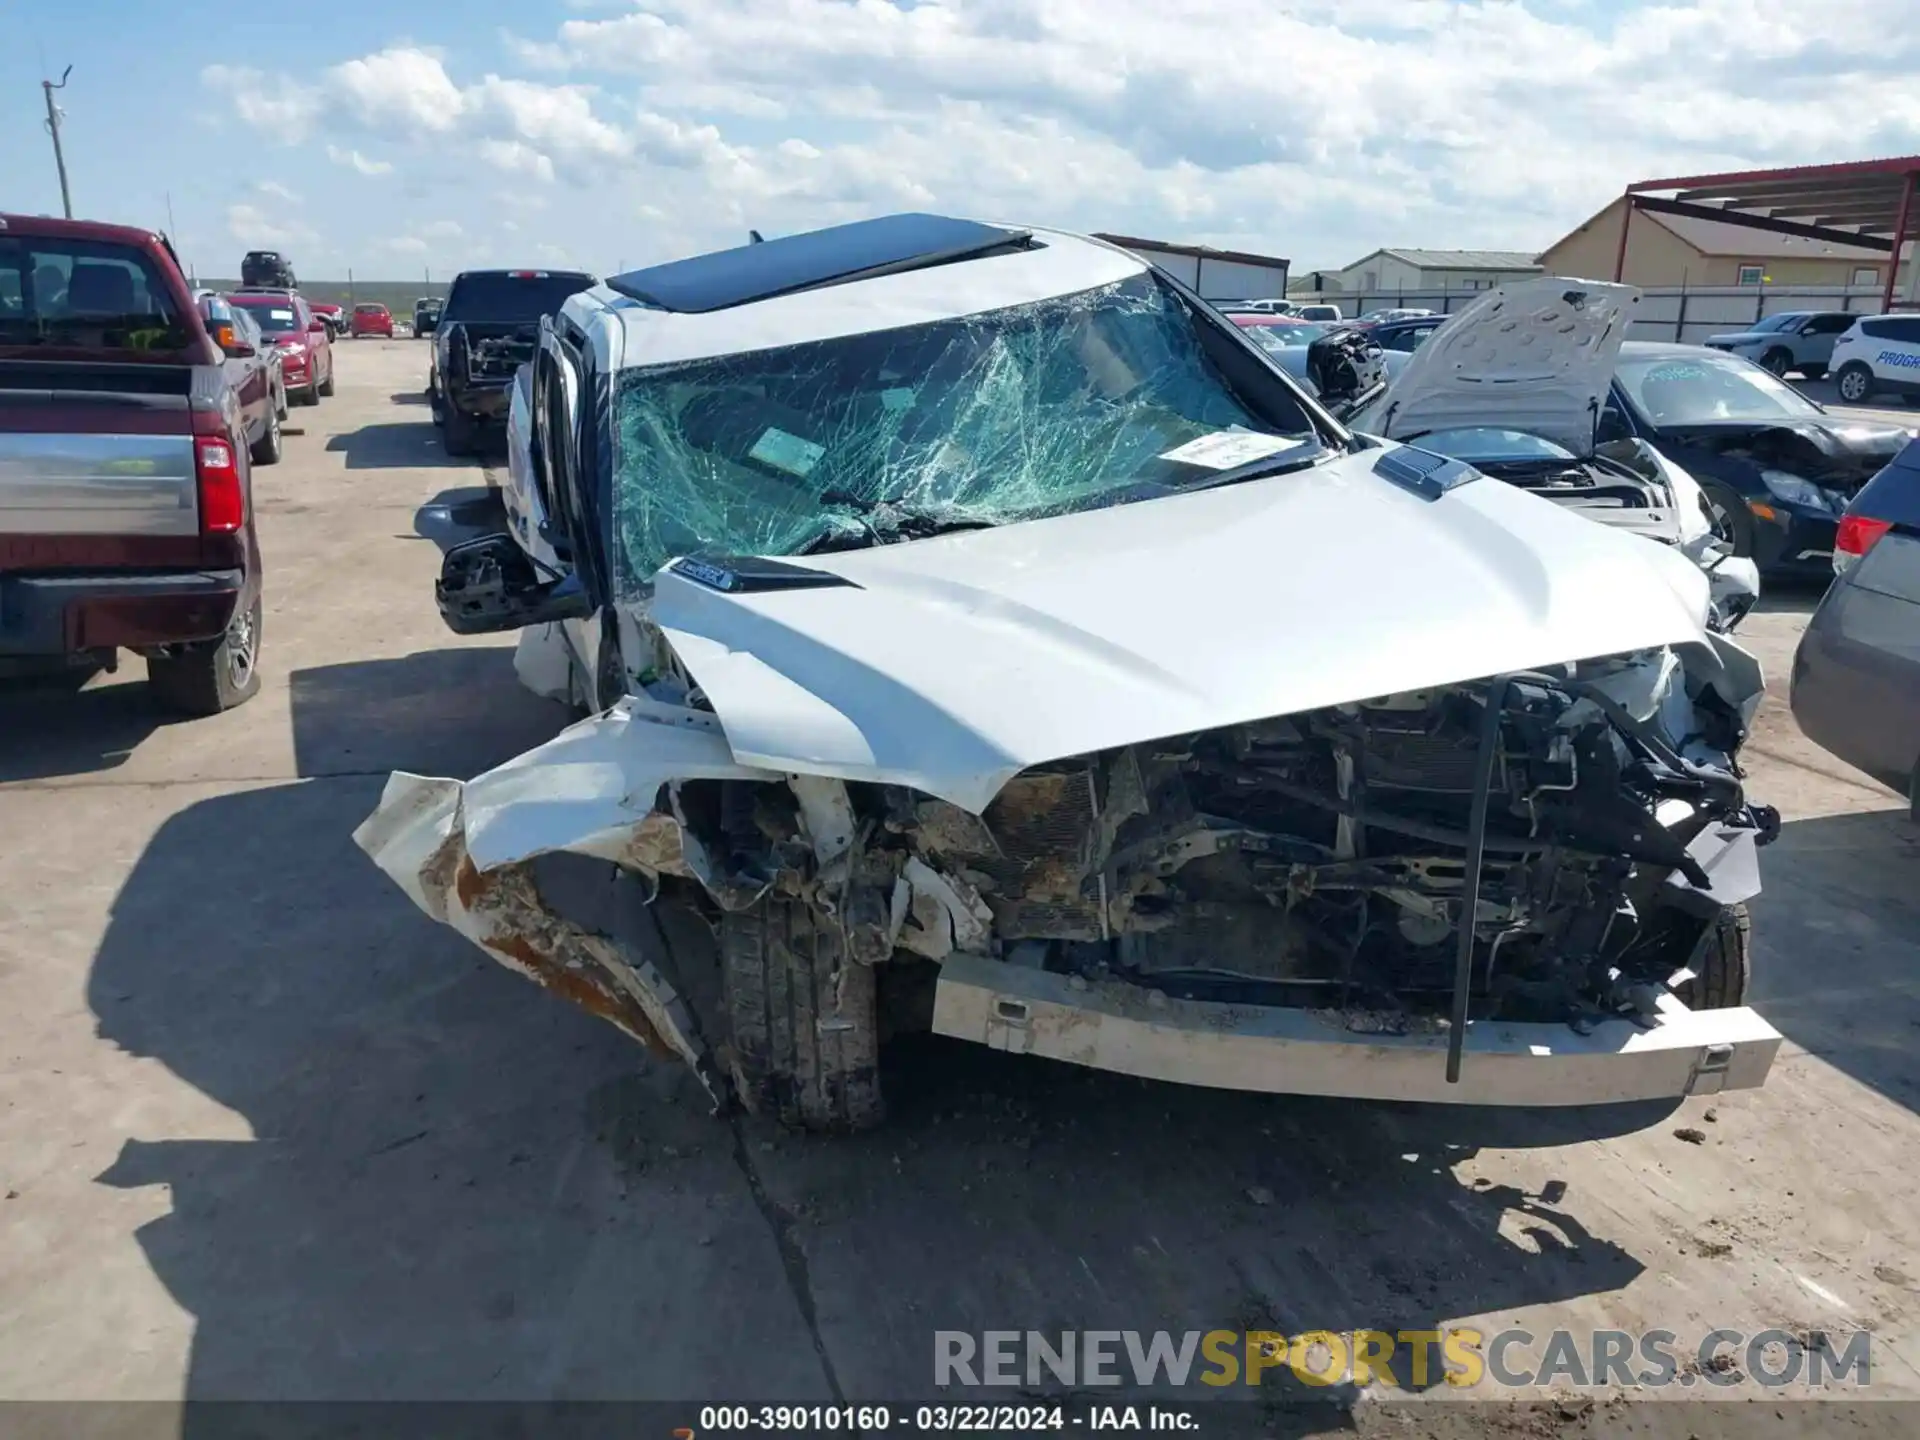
[88,451]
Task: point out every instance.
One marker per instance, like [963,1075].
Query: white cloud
[284,110]
[253,226]
[1318,129]
[354,160]
[407,245]
[404,89]
[516,159]
[275,190]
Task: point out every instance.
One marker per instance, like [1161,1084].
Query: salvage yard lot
[269,1132]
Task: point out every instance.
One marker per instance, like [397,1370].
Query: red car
[305,346]
[372,320]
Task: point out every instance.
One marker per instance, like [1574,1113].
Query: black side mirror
[488,585]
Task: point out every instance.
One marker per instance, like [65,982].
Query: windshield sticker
[280,314]
[786,452]
[1225,449]
[1677,370]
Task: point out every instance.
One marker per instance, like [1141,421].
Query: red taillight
[1855,537]
[527,274]
[223,503]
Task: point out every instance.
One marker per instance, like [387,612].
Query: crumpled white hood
[952,664]
[1536,355]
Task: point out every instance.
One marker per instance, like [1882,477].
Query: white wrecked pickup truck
[983,632]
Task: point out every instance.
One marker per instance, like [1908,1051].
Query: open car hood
[1537,355]
[951,664]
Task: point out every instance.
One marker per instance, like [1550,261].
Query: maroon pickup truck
[126,515]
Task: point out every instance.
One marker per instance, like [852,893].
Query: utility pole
[53,129]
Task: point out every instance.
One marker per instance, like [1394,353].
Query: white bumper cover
[1121,1028]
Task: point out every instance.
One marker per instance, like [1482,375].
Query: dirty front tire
[800,1055]
[1778,360]
[210,678]
[325,387]
[1725,967]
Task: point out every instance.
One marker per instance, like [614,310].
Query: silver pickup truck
[126,515]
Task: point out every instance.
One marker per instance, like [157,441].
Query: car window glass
[1829,324]
[1491,444]
[273,317]
[1684,389]
[92,294]
[1902,328]
[1062,404]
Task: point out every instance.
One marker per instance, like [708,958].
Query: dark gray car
[1856,675]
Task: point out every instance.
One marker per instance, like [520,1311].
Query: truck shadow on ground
[53,728]
[460,1186]
[395,444]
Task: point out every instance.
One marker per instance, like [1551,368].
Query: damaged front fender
[605,788]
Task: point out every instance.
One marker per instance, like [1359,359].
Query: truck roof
[76,229]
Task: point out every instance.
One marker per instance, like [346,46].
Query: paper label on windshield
[786,452]
[281,314]
[1225,449]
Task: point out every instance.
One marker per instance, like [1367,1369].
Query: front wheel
[1778,361]
[805,1032]
[1854,383]
[266,450]
[1724,969]
[326,386]
[207,679]
[1732,521]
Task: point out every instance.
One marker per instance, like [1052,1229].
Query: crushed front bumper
[1122,1028]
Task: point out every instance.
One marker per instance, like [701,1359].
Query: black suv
[269,268]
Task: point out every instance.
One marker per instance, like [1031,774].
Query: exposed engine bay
[1315,860]
[1621,486]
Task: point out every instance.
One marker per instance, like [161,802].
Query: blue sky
[408,137]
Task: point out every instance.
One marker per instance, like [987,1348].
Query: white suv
[1880,354]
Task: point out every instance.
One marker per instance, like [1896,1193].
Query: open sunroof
[833,256]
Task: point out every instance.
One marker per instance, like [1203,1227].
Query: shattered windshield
[987,418]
